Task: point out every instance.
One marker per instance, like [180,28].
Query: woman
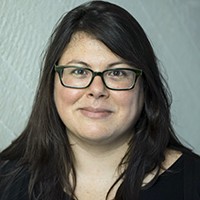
[100,127]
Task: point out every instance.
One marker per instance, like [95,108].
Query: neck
[101,159]
[96,166]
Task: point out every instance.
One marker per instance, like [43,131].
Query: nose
[97,89]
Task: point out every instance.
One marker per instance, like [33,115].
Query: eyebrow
[89,66]
[77,62]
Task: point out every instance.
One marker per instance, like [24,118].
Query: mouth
[95,113]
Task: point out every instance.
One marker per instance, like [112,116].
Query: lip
[95,113]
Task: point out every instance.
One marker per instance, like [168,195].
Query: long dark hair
[43,147]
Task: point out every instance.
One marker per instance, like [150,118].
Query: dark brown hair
[43,146]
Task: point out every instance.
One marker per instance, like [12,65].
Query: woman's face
[96,115]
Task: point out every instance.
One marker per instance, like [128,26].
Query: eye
[79,71]
[117,73]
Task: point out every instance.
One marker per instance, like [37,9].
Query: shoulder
[14,181]
[192,160]
[192,175]
[188,164]
[192,165]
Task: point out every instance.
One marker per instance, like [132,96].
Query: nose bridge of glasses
[97,74]
[94,74]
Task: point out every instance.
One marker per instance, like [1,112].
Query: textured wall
[172,26]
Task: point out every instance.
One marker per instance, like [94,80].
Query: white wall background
[172,25]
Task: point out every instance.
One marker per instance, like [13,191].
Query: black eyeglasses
[113,79]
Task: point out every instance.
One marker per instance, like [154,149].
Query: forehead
[87,48]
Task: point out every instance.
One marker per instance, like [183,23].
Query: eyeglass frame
[60,68]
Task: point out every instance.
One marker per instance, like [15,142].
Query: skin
[99,122]
[96,115]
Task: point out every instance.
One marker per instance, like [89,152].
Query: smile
[95,113]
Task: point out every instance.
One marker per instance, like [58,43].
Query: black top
[180,182]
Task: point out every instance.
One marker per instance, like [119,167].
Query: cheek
[131,99]
[132,103]
[64,96]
